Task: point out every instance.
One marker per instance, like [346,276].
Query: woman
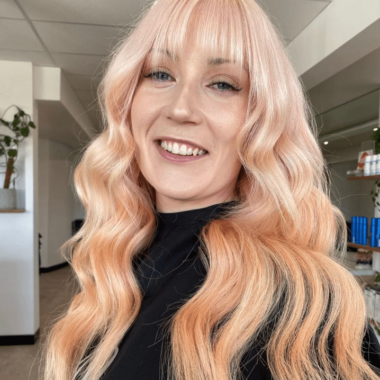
[210,248]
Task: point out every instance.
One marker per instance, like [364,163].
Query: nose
[183,105]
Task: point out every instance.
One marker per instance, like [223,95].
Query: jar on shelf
[373,164]
[367,165]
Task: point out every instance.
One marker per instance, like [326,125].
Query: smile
[181,149]
[163,149]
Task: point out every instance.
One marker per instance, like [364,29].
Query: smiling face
[202,101]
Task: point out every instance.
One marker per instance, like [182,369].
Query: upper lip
[181,141]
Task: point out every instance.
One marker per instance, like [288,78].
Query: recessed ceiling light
[375,129]
[326,142]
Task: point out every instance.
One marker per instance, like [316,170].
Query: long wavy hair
[273,260]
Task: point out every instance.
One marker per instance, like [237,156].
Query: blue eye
[160,75]
[156,74]
[230,86]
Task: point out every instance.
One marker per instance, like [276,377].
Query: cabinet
[371,279]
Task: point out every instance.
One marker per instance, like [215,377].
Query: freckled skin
[184,103]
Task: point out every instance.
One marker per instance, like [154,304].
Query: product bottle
[378,164]
[367,165]
[373,164]
[373,233]
[377,239]
[365,230]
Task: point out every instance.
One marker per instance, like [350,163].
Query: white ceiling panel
[9,9]
[292,16]
[354,81]
[110,12]
[78,38]
[80,64]
[83,82]
[39,58]
[18,35]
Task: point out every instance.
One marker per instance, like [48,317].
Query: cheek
[226,130]
[143,112]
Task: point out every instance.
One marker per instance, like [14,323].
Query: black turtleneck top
[170,272]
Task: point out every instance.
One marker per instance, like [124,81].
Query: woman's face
[189,104]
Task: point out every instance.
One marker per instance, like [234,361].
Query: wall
[19,273]
[353,198]
[58,204]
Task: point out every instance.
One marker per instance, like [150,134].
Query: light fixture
[326,142]
[375,129]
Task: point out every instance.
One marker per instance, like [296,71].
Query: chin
[180,194]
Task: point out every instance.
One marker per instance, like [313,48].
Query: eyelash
[233,88]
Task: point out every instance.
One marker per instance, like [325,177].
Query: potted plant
[9,145]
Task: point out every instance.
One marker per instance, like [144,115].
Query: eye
[161,75]
[158,75]
[230,86]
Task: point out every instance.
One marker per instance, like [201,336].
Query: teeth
[175,148]
[181,150]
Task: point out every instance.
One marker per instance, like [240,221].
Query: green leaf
[12,152]
[5,122]
[15,122]
[15,141]
[22,113]
[7,140]
[31,124]
[25,131]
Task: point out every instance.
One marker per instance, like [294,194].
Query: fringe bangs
[216,26]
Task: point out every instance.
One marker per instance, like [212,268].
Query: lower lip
[176,157]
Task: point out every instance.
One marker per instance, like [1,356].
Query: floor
[22,362]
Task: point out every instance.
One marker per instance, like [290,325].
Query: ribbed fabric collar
[196,216]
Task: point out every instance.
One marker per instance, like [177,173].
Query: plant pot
[7,199]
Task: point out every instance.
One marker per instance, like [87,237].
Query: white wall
[19,272]
[59,205]
[352,197]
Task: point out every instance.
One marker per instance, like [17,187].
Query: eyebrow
[211,61]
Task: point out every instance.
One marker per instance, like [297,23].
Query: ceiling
[78,37]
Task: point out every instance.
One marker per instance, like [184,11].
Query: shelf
[12,210]
[362,272]
[365,177]
[354,245]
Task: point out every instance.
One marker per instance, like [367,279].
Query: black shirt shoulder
[371,348]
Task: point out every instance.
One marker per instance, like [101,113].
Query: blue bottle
[377,238]
[365,230]
[373,232]
[360,230]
